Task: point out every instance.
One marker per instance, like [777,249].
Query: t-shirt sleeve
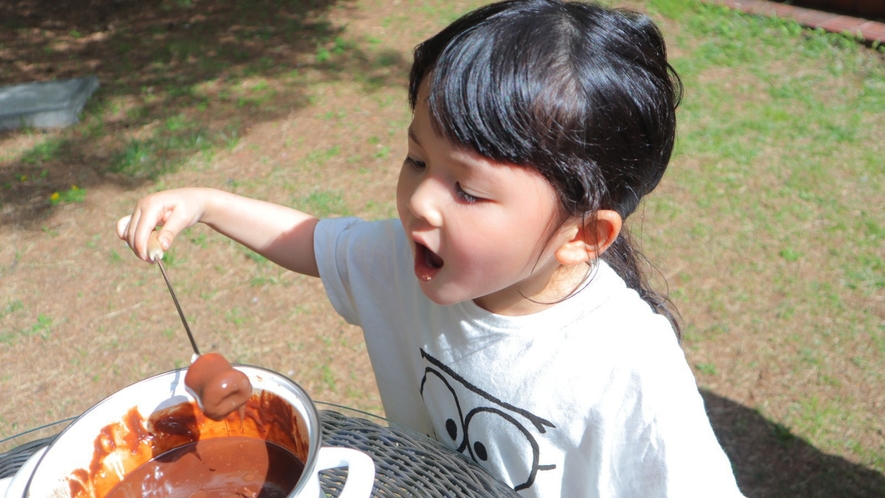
[329,238]
[354,257]
[668,438]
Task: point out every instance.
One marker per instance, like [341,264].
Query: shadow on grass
[179,78]
[769,461]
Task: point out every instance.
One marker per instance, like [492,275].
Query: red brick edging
[871,31]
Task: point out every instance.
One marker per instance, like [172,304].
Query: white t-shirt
[589,398]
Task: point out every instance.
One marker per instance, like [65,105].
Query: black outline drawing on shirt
[506,411]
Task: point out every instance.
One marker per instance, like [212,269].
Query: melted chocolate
[220,467]
[219,388]
[121,448]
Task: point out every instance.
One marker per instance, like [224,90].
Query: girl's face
[479,229]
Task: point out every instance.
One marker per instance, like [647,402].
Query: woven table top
[406,463]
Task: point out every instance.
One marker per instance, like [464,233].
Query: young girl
[504,312]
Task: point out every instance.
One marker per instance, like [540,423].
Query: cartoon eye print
[444,409]
[480,426]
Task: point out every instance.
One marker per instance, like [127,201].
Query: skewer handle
[155,250]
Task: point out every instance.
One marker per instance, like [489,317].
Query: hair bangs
[492,91]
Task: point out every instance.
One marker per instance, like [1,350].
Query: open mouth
[427,262]
[431,259]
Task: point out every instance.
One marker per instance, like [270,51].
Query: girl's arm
[280,234]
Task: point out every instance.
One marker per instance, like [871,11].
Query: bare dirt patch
[82,317]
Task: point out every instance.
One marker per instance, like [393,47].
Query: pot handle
[360,469]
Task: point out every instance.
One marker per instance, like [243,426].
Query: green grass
[47,150]
[323,203]
[42,328]
[74,194]
[775,193]
[163,153]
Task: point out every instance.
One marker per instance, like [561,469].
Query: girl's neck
[538,294]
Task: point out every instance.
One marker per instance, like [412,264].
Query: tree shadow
[178,78]
[769,461]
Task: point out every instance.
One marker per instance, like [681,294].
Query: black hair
[581,93]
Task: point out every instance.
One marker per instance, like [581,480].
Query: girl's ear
[587,239]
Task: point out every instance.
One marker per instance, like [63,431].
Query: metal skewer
[155,252]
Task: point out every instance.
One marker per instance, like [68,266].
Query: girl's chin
[440,296]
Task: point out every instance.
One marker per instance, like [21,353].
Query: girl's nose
[424,202]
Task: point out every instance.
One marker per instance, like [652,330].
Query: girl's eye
[464,196]
[419,165]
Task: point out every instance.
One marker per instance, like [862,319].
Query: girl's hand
[279,233]
[173,210]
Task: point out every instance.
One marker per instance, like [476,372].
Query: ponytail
[631,265]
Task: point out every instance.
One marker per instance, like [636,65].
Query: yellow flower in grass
[54,197]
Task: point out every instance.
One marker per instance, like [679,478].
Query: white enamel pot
[296,427]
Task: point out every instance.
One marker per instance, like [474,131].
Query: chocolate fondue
[179,451]
[219,388]
[221,467]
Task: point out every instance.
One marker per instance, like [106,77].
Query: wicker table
[406,463]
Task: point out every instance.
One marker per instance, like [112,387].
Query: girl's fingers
[123,226]
[140,233]
[170,229]
[165,237]
[168,212]
[135,229]
[126,231]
